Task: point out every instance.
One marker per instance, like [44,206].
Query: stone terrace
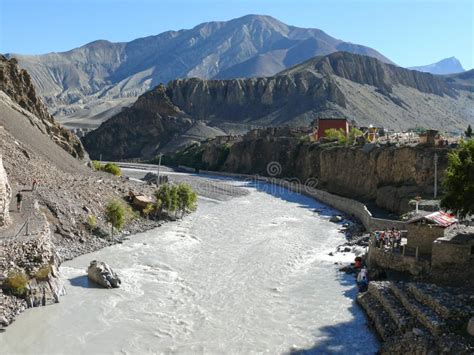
[419,318]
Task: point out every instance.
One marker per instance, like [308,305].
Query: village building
[429,138]
[425,228]
[331,123]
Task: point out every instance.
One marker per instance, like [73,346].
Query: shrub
[43,273]
[96,165]
[91,221]
[108,168]
[17,283]
[187,198]
[112,169]
[115,213]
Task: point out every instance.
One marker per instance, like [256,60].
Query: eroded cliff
[17,84]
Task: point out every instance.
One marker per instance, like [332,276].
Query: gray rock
[470,326]
[102,274]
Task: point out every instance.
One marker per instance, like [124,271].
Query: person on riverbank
[19,199]
[362,280]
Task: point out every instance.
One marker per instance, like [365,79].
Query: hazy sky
[409,32]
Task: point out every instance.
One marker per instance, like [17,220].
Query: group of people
[391,238]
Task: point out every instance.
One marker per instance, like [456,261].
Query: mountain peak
[445,66]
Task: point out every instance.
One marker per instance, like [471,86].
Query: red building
[328,123]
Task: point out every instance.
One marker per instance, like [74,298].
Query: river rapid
[248,275]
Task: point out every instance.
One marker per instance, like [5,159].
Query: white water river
[248,275]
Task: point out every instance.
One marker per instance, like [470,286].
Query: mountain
[445,66]
[18,92]
[92,80]
[341,84]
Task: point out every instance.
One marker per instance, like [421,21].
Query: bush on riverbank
[16,283]
[110,168]
[43,273]
[175,198]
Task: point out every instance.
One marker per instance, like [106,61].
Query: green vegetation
[459,180]
[111,168]
[187,198]
[43,273]
[190,156]
[468,131]
[354,133]
[147,210]
[91,222]
[17,283]
[175,198]
[115,214]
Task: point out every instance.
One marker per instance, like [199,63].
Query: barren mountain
[444,66]
[93,79]
[16,87]
[340,84]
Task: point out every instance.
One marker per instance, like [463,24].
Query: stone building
[425,228]
[5,196]
[455,248]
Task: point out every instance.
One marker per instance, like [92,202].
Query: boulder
[470,326]
[336,219]
[102,274]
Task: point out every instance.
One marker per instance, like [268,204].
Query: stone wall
[5,196]
[422,236]
[378,257]
[445,253]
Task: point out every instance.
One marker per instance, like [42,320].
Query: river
[248,275]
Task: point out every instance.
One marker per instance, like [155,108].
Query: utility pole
[435,175]
[158,170]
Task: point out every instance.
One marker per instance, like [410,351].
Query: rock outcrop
[139,131]
[389,176]
[5,196]
[340,84]
[103,275]
[17,84]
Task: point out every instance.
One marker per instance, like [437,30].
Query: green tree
[336,135]
[173,206]
[187,198]
[459,180]
[115,213]
[468,131]
[353,134]
[163,198]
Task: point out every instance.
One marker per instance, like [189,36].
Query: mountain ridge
[340,84]
[92,76]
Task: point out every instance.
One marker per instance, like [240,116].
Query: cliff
[150,123]
[387,176]
[17,84]
[340,84]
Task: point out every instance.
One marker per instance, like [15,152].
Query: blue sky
[410,32]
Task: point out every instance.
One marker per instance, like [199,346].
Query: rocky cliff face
[139,131]
[340,84]
[5,196]
[388,176]
[17,84]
